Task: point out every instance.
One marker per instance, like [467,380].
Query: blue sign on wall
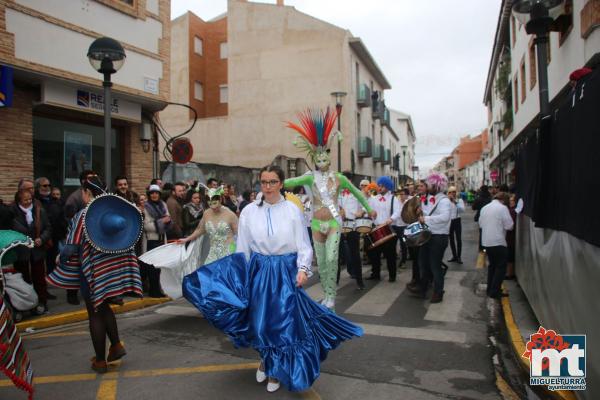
[6,86]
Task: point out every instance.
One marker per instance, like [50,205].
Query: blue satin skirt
[259,305]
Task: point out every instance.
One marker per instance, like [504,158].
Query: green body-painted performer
[315,132]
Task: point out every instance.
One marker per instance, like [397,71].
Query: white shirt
[350,205]
[458,208]
[439,217]
[274,229]
[399,221]
[494,221]
[383,205]
[520,205]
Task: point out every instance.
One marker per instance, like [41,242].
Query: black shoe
[373,278]
[453,259]
[459,261]
[361,286]
[437,298]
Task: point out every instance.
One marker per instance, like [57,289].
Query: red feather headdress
[314,129]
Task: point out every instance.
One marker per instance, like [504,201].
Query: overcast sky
[435,53]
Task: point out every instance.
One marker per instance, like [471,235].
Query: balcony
[387,157]
[379,110]
[386,117]
[363,98]
[365,147]
[378,153]
[396,165]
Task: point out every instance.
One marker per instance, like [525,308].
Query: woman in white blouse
[255,296]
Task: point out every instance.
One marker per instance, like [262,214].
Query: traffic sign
[182,151]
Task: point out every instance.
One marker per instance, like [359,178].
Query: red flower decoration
[545,339]
[345,192]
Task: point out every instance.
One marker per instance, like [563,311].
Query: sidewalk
[61,313]
[521,322]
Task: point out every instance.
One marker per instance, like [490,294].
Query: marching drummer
[350,209]
[388,211]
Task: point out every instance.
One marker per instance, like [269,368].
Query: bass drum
[364,225]
[347,226]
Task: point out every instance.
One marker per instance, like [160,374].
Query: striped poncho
[107,275]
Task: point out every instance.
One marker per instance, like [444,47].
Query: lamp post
[339,97]
[404,163]
[106,56]
[538,16]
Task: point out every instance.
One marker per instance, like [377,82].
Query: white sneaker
[329,303]
[273,386]
[260,376]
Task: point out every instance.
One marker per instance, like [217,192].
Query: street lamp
[339,97]
[106,56]
[538,16]
[404,163]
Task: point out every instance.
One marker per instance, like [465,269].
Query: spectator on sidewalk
[30,219]
[122,189]
[175,205]
[495,221]
[192,211]
[458,207]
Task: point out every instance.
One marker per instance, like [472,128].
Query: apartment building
[54,126]
[268,62]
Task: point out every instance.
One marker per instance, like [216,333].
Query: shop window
[63,149]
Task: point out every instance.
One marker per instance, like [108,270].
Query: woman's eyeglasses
[269,183]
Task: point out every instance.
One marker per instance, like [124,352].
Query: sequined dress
[220,246]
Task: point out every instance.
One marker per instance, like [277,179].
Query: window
[516,94]
[223,50]
[358,127]
[198,91]
[523,81]
[564,23]
[532,65]
[357,77]
[513,23]
[130,2]
[223,94]
[198,45]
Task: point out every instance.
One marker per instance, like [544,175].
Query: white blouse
[275,229]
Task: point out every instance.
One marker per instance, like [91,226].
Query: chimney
[280,2]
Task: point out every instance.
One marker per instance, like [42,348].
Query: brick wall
[209,68]
[16,136]
[138,165]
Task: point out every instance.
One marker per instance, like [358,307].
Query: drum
[380,235]
[416,234]
[363,225]
[347,225]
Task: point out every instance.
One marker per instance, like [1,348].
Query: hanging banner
[6,86]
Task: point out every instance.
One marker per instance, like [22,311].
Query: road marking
[55,334]
[377,301]
[434,334]
[180,311]
[39,380]
[454,299]
[107,390]
[316,293]
[190,370]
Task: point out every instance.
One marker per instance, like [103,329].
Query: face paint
[322,160]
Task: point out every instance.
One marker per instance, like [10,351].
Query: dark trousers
[399,231]
[350,251]
[416,273]
[34,272]
[455,238]
[430,261]
[152,272]
[498,256]
[388,249]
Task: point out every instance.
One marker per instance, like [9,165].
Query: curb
[81,315]
[518,345]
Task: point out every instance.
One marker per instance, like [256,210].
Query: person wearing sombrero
[99,259]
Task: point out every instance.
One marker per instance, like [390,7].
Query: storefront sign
[6,86]
[80,99]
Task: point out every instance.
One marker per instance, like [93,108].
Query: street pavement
[411,349]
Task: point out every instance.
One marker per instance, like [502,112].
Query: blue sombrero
[112,224]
